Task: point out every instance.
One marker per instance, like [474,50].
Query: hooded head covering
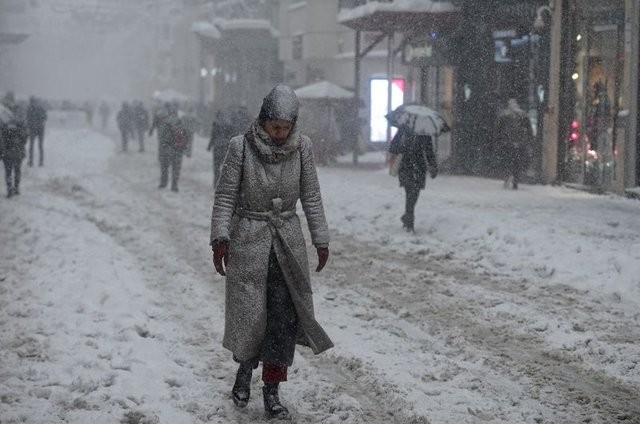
[280,103]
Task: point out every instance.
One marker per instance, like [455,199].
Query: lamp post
[551,117]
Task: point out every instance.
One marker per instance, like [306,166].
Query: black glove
[221,256]
[323,256]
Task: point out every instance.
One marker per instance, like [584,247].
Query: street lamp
[539,21]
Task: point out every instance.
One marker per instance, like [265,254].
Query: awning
[246,25]
[400,15]
[206,29]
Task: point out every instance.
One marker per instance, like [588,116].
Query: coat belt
[273,216]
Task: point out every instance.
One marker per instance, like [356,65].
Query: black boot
[242,387]
[407,222]
[272,405]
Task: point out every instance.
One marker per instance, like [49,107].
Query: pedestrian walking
[514,137]
[172,142]
[221,132]
[159,116]
[13,140]
[416,156]
[140,122]
[259,246]
[36,120]
[105,112]
[87,107]
[125,121]
[241,119]
[191,125]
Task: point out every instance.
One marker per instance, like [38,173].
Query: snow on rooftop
[396,6]
[205,29]
[231,24]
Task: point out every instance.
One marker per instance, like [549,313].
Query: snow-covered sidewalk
[505,306]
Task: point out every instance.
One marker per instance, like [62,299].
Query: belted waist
[274,217]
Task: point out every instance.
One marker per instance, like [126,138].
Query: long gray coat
[254,173]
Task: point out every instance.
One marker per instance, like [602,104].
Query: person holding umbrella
[412,151]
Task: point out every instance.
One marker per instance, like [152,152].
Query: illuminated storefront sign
[378,89]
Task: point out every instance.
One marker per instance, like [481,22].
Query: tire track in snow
[459,303]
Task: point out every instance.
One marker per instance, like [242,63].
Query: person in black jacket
[36,118]
[221,132]
[125,121]
[141,122]
[13,140]
[417,158]
[514,138]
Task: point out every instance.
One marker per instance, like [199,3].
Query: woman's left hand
[323,256]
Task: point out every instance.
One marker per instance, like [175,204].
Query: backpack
[178,134]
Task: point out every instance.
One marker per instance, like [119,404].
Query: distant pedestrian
[191,125]
[417,158]
[141,123]
[105,112]
[241,120]
[36,119]
[221,132]
[87,107]
[13,140]
[514,137]
[125,121]
[159,117]
[172,142]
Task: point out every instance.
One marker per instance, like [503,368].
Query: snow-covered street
[504,306]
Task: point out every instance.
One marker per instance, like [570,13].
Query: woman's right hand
[221,256]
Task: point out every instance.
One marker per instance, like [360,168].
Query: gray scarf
[266,149]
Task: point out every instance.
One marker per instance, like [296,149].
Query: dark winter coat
[141,117]
[255,209]
[36,117]
[125,119]
[514,138]
[418,157]
[161,123]
[221,132]
[13,138]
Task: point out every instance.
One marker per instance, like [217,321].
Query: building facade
[597,140]
[239,54]
[571,64]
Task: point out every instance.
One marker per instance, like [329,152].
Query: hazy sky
[79,53]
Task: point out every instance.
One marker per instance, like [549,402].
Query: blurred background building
[571,64]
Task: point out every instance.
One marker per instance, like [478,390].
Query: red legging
[273,373]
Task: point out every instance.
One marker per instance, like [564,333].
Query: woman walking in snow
[258,244]
[416,157]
